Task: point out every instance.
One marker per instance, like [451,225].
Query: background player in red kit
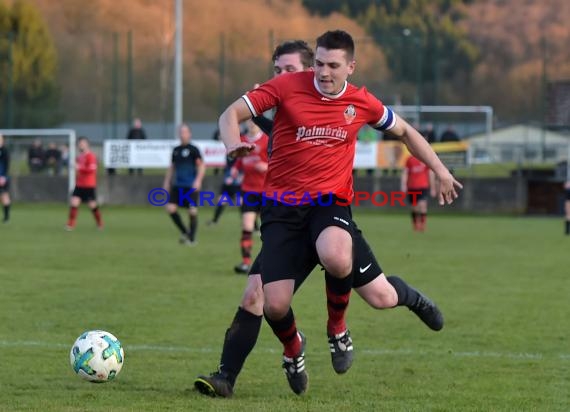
[418,178]
[85,185]
[314,138]
[253,166]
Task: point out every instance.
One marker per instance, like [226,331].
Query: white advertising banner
[366,155]
[156,153]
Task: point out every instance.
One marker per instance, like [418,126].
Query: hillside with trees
[488,52]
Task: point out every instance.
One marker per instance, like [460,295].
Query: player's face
[83,145]
[332,68]
[287,63]
[185,135]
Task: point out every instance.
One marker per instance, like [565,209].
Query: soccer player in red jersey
[253,166]
[85,185]
[417,179]
[284,327]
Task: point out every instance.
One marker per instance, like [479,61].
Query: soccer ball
[97,356]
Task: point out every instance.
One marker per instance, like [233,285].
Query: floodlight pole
[178,67]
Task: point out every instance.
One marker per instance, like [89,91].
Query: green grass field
[503,284]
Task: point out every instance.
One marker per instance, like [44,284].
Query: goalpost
[415,112]
[69,134]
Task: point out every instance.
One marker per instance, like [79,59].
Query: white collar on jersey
[330,96]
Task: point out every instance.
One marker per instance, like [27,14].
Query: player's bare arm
[167,178]
[421,149]
[229,122]
[200,175]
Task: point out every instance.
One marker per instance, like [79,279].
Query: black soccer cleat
[428,312]
[295,370]
[242,268]
[341,351]
[217,384]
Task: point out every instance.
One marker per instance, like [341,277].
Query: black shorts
[299,279]
[567,194]
[289,234]
[419,194]
[365,267]
[230,191]
[5,188]
[183,196]
[251,202]
[86,194]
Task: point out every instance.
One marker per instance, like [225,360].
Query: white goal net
[42,152]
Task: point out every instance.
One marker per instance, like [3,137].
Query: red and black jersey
[86,176]
[314,134]
[418,174]
[253,179]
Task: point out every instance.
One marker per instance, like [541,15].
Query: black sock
[286,331]
[568,227]
[337,285]
[407,296]
[193,227]
[6,213]
[218,212]
[178,222]
[414,217]
[240,339]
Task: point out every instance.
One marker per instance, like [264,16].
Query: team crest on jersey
[185,152]
[349,114]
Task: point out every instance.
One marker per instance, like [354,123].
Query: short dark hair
[82,138]
[296,46]
[337,40]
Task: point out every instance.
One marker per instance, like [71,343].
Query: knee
[252,301]
[275,309]
[337,262]
[384,299]
[379,293]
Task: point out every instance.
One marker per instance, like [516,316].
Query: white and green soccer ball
[97,356]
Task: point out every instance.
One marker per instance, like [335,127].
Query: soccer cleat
[211,223]
[217,384]
[242,268]
[68,228]
[185,240]
[341,351]
[295,369]
[428,312]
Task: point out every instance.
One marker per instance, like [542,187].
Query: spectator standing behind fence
[53,159]
[64,150]
[450,135]
[36,157]
[136,133]
[429,133]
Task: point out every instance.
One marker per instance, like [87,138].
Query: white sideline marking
[371,352]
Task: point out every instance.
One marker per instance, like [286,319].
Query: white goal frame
[486,111]
[70,133]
